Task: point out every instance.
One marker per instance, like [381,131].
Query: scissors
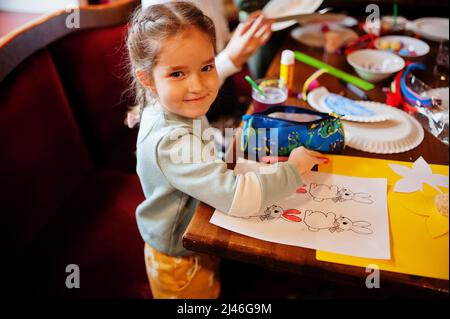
[364,42]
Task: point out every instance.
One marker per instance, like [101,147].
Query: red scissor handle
[364,42]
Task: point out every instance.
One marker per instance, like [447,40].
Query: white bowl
[375,65]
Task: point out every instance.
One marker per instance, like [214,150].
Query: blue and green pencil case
[279,129]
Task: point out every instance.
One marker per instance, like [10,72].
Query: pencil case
[279,129]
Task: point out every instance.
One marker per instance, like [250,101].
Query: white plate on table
[409,44]
[316,99]
[435,29]
[398,134]
[312,35]
[281,8]
[330,18]
[401,134]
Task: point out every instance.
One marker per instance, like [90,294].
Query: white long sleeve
[225,67]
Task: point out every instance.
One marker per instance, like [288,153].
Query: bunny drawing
[276,211]
[272,212]
[321,192]
[317,220]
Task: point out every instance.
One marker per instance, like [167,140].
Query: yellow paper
[437,225]
[414,251]
[423,204]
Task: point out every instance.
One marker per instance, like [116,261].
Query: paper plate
[409,45]
[435,29]
[312,34]
[338,18]
[399,134]
[316,100]
[280,8]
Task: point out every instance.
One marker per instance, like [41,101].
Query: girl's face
[185,79]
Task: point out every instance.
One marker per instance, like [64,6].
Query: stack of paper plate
[281,8]
[435,29]
[312,34]
[329,18]
[352,111]
[399,132]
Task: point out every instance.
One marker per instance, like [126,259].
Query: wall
[38,6]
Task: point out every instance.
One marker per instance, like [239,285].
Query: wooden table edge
[263,257]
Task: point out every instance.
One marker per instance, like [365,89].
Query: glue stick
[287,69]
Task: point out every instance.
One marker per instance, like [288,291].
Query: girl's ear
[145,80]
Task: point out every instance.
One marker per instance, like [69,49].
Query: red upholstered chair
[69,191]
[44,159]
[93,69]
[242,88]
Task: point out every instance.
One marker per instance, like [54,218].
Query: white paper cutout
[350,224]
[414,178]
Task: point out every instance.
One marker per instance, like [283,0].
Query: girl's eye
[207,68]
[177,74]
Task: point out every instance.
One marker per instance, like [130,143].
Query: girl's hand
[305,159]
[248,37]
[274,159]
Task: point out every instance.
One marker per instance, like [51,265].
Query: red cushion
[43,157]
[98,232]
[92,65]
[242,88]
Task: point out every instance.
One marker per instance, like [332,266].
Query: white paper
[322,215]
[414,178]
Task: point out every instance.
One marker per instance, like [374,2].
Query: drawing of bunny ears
[321,192]
[362,198]
[345,194]
[361,227]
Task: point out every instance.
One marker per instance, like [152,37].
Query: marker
[333,71]
[355,90]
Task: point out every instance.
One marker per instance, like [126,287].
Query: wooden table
[203,236]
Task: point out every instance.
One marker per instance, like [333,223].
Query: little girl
[171,49]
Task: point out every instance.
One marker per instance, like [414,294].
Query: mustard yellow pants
[187,277]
